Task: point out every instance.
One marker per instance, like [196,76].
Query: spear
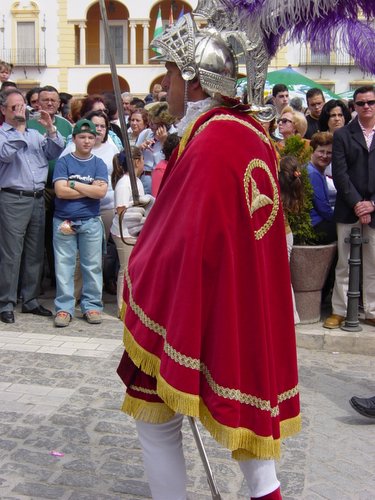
[206,464]
[120,109]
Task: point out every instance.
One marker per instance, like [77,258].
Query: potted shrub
[309,263]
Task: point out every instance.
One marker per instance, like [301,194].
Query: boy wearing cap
[80,180]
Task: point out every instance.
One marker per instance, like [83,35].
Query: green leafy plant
[297,147]
[300,223]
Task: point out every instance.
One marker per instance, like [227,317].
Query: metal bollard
[351,324]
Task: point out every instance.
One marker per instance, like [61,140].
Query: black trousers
[22,235]
[326,232]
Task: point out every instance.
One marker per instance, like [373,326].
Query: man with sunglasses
[353,172]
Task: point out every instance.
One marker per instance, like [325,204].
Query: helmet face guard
[201,54]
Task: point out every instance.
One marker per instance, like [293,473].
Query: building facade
[62,43]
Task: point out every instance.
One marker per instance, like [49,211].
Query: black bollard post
[351,324]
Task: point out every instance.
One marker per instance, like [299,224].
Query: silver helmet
[199,53]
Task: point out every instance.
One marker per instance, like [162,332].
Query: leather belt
[21,192]
[147,172]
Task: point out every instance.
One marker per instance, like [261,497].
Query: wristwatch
[72,184]
[52,131]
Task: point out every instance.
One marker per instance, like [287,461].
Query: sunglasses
[362,103]
[284,121]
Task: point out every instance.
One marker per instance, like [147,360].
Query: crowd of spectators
[73,178]
[51,184]
[341,172]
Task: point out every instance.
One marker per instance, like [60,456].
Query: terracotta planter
[309,267]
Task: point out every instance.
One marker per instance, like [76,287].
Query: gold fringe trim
[239,439]
[181,402]
[243,443]
[290,427]
[147,362]
[122,311]
[150,364]
[155,413]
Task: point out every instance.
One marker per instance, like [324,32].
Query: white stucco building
[61,43]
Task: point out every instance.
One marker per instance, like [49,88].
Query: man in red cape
[209,329]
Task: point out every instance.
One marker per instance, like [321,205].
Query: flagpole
[120,108]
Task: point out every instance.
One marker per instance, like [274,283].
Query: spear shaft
[120,109]
[202,452]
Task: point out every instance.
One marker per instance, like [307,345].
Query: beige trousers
[123,252]
[340,289]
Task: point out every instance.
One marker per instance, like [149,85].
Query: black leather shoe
[39,311]
[364,406]
[7,317]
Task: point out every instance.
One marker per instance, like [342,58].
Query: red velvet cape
[209,328]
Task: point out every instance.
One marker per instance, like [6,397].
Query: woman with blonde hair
[291,122]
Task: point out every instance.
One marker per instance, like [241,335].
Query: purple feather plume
[355,37]
[325,24]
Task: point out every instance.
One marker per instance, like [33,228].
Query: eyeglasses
[361,104]
[284,121]
[324,153]
[53,101]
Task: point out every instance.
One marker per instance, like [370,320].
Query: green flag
[158,28]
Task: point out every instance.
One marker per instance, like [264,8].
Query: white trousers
[165,463]
[340,289]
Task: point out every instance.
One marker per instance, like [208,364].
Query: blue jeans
[88,240]
[146,181]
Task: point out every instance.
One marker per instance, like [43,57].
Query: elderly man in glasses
[353,163]
[24,156]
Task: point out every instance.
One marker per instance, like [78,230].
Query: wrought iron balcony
[24,57]
[310,58]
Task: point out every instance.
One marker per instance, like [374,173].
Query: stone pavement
[63,437]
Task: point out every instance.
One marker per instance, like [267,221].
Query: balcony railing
[310,58]
[24,57]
